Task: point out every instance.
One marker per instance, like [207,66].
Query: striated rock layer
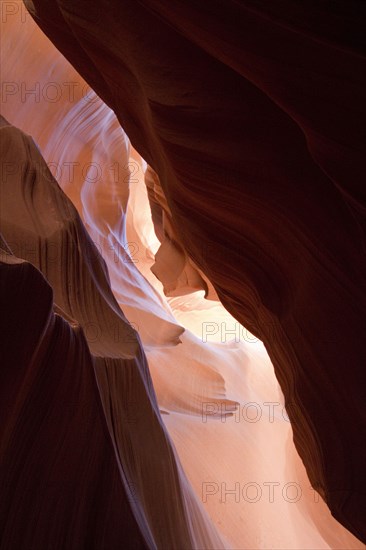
[252,114]
[87,461]
[60,483]
[172,265]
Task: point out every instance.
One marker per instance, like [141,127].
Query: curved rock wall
[251,115]
[271,266]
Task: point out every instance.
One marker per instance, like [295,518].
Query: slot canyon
[183,275]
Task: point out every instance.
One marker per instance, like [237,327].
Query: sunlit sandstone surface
[138,411]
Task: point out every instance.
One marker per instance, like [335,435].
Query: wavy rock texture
[37,215]
[192,376]
[172,266]
[62,488]
[252,116]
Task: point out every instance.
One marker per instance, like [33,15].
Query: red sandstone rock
[251,114]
